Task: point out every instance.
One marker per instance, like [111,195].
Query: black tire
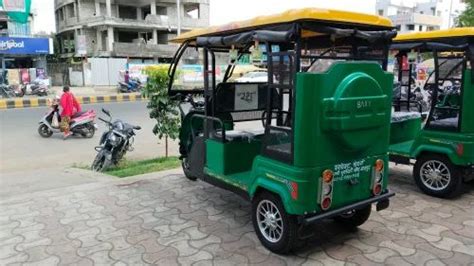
[283,222]
[45,131]
[355,218]
[90,133]
[450,180]
[101,161]
[186,170]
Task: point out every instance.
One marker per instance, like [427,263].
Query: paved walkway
[165,219]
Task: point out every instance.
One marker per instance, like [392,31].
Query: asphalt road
[23,149]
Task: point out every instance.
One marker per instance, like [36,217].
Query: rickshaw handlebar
[215,119]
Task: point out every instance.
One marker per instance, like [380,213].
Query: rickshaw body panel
[342,126]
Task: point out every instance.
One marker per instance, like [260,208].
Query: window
[71,10]
[433,11]
[145,12]
[380,12]
[410,27]
[420,28]
[61,14]
[192,11]
[127,12]
[161,10]
[398,27]
[439,13]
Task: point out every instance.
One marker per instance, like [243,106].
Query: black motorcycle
[114,143]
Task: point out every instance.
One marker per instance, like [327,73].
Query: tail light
[377,177]
[460,149]
[326,189]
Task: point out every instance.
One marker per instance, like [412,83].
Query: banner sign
[14,5]
[33,46]
[17,10]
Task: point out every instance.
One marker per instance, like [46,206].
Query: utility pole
[178,8]
[450,14]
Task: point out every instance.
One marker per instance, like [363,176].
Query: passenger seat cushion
[404,116]
[240,135]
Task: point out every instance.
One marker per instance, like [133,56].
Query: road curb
[38,102]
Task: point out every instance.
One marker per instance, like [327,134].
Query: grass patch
[131,168]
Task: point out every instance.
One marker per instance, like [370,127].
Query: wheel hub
[435,175]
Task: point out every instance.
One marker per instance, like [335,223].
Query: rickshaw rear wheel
[186,170]
[276,229]
[436,176]
[355,218]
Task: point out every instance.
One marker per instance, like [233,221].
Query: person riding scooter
[70,107]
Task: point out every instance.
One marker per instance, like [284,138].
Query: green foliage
[163,109]
[466,19]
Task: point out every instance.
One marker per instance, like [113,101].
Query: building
[139,29]
[21,51]
[421,15]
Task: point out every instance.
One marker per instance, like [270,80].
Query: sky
[224,11]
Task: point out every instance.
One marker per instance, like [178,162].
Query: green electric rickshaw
[441,141]
[310,140]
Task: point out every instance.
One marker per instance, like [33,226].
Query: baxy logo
[11,44]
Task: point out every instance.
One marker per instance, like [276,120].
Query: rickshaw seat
[240,135]
[404,116]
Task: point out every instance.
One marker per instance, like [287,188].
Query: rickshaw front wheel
[186,170]
[355,218]
[276,229]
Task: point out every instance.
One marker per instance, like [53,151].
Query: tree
[162,108]
[466,19]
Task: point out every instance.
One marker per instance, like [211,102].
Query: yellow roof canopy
[294,15]
[432,35]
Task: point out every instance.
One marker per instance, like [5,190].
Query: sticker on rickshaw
[351,170]
[246,97]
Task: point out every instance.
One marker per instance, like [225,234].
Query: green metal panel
[231,157]
[445,143]
[406,130]
[342,115]
[467,116]
[277,177]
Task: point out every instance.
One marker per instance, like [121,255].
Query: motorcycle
[37,87]
[10,91]
[82,123]
[134,85]
[114,143]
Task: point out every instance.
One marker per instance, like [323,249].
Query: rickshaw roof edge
[438,34]
[289,16]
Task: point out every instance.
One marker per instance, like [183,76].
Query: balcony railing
[121,49]
[150,22]
[415,18]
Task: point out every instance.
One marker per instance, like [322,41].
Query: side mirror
[105,111]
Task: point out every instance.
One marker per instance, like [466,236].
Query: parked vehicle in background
[114,143]
[134,85]
[11,91]
[442,145]
[82,123]
[254,76]
[37,87]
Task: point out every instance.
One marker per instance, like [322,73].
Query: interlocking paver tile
[169,220]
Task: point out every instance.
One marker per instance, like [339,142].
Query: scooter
[134,85]
[82,123]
